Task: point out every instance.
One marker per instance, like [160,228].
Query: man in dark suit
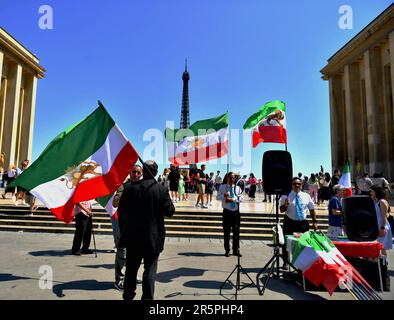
[144,205]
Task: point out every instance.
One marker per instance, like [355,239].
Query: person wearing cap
[335,214]
[144,204]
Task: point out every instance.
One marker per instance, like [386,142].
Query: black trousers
[83,232]
[231,222]
[289,227]
[252,191]
[133,262]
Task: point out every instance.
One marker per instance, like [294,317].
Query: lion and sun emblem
[82,172]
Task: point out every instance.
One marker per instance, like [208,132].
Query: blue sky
[241,54]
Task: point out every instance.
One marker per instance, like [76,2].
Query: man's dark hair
[299,174]
[296,178]
[149,169]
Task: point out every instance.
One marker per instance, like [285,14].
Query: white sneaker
[210,204]
[16,203]
[13,198]
[205,207]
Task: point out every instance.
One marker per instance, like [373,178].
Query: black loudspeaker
[277,172]
[360,218]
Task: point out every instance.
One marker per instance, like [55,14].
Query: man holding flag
[120,257]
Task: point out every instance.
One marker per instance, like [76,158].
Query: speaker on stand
[277,178]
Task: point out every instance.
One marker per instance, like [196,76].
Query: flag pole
[228,149]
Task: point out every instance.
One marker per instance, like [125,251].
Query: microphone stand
[238,268]
[274,261]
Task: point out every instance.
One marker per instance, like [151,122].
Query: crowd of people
[18,195]
[143,201]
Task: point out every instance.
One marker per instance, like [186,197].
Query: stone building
[361,84]
[19,71]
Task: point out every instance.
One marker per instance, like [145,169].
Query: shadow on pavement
[85,285]
[168,276]
[200,254]
[61,253]
[292,290]
[206,284]
[108,266]
[10,277]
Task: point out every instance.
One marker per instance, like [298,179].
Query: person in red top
[83,228]
[252,181]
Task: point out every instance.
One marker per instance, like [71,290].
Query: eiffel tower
[185,118]
[185,111]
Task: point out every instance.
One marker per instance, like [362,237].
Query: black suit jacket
[141,212]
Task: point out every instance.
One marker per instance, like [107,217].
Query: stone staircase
[200,223]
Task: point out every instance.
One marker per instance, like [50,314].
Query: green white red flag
[321,262]
[346,180]
[89,160]
[204,140]
[268,124]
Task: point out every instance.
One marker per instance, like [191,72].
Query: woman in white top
[382,212]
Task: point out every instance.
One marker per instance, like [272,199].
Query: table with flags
[320,262]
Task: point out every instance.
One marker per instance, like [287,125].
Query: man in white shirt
[296,206]
[365,184]
[231,218]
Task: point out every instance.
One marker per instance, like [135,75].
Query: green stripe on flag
[71,147]
[212,124]
[104,200]
[268,108]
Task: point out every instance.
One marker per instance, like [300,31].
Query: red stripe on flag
[256,139]
[273,134]
[99,186]
[64,213]
[204,154]
[110,182]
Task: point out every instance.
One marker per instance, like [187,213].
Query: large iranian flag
[90,159]
[204,140]
[268,124]
[321,262]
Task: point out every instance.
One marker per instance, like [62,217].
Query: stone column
[391,139]
[334,126]
[25,148]
[11,114]
[373,138]
[1,102]
[354,115]
[338,128]
[350,140]
[1,63]
[376,69]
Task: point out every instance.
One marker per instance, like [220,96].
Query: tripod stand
[274,261]
[238,268]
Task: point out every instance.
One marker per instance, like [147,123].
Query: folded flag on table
[88,160]
[268,124]
[204,140]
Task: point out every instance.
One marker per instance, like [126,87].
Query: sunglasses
[296,184]
[137,172]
